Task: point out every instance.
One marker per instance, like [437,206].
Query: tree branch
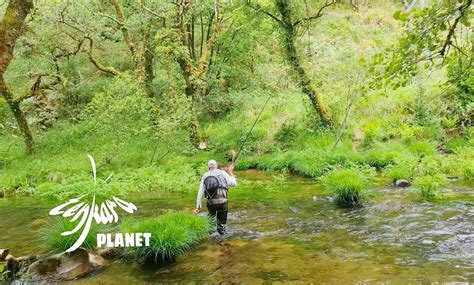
[452,30]
[259,9]
[319,14]
[98,65]
[36,86]
[123,28]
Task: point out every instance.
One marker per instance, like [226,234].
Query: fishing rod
[251,129]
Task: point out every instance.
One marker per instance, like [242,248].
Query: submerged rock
[402,183]
[452,177]
[323,199]
[459,245]
[294,209]
[66,265]
[39,222]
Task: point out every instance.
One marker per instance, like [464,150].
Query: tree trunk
[299,73]
[19,116]
[11,28]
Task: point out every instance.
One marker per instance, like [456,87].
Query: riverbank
[141,162]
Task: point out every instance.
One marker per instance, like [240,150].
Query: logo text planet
[123,240]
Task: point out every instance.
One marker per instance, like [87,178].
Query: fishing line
[248,134]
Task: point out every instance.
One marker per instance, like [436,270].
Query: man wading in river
[214,186]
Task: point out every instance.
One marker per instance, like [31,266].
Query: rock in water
[402,183]
[4,253]
[12,265]
[66,265]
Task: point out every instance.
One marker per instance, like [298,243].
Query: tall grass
[51,235]
[430,185]
[348,186]
[172,235]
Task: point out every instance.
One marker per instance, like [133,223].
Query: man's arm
[199,198]
[229,177]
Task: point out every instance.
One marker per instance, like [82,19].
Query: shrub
[218,104]
[429,185]
[456,143]
[468,172]
[430,165]
[397,172]
[379,159]
[172,235]
[371,131]
[404,168]
[51,235]
[286,135]
[422,148]
[348,185]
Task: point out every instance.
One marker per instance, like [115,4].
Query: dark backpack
[211,185]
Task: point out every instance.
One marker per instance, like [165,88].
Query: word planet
[123,240]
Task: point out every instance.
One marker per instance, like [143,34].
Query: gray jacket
[224,179]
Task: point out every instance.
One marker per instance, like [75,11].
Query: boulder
[109,252]
[66,265]
[402,183]
[12,265]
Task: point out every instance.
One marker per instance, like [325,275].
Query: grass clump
[51,235]
[404,168]
[430,185]
[379,158]
[172,235]
[348,185]
[468,172]
[398,172]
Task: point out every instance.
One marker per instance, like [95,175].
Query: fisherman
[214,186]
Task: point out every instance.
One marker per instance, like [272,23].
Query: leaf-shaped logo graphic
[84,214]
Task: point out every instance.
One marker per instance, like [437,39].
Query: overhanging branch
[319,14]
[258,8]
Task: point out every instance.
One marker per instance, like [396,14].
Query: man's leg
[221,216]
[212,209]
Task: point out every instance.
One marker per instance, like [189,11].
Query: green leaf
[396,15]
[465,21]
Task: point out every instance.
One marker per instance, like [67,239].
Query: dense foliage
[153,89]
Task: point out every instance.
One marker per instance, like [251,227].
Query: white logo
[85,214]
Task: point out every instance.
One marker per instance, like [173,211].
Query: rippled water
[285,229]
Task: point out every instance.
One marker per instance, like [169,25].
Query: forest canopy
[355,83]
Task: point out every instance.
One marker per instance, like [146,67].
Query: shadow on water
[279,232]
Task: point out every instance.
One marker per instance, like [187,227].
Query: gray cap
[212,163]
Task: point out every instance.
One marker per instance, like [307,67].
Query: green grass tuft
[172,235]
[430,185]
[51,235]
[348,186]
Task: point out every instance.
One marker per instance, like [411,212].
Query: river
[283,228]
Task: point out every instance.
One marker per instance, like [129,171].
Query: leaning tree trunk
[19,116]
[299,73]
[11,28]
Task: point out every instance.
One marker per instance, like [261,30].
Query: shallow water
[284,229]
